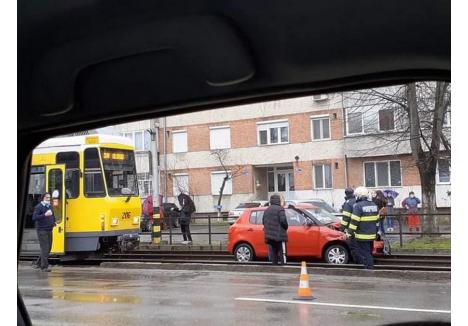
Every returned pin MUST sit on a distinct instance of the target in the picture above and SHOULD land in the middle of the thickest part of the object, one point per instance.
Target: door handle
(249, 229)
(60, 229)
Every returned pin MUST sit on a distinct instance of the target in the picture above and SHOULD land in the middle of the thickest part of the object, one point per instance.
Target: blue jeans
(389, 219)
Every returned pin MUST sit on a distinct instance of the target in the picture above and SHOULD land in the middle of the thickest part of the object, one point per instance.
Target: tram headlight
(136, 220)
(115, 221)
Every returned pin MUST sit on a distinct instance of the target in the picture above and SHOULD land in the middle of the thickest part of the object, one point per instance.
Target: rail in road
(396, 262)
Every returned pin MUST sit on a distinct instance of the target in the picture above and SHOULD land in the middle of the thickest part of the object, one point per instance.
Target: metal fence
(441, 225)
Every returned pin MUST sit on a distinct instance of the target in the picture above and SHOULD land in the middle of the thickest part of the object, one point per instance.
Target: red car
(312, 233)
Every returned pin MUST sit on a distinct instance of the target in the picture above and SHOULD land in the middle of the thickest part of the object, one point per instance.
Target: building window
(354, 122)
(179, 141)
(443, 171)
(145, 184)
(323, 176)
(386, 120)
(216, 182)
(273, 133)
(180, 183)
(220, 137)
(321, 128)
(382, 174)
(141, 139)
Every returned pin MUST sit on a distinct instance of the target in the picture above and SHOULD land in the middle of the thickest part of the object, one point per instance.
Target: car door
(255, 233)
(302, 238)
(55, 185)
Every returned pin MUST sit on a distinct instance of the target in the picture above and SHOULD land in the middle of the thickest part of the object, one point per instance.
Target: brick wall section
(303, 179)
(244, 183)
(299, 128)
(243, 133)
(200, 181)
(409, 171)
(198, 138)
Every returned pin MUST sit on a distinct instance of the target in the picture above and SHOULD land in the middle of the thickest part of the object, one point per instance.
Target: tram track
(397, 262)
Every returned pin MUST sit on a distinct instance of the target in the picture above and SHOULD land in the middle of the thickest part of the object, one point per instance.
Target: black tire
(336, 254)
(244, 252)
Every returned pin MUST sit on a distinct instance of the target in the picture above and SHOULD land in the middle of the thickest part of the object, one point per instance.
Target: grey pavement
(98, 296)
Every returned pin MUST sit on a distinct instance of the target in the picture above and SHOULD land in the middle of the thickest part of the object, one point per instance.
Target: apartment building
(309, 147)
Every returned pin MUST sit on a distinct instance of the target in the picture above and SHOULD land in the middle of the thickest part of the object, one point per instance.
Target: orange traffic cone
(304, 292)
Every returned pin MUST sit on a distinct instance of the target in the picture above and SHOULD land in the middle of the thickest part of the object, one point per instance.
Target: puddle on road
(94, 297)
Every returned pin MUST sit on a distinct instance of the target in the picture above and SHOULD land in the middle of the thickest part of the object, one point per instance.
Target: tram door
(55, 185)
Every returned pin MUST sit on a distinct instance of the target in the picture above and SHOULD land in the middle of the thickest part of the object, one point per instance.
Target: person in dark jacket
(44, 220)
(275, 226)
(187, 208)
(363, 226)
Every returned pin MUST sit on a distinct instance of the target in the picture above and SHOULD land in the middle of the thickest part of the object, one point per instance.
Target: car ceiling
(89, 63)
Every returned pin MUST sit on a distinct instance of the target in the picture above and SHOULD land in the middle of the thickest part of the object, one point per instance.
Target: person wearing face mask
(44, 220)
(411, 205)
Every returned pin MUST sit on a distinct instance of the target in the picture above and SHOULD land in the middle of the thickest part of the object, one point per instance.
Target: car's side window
(256, 217)
(294, 218)
(253, 218)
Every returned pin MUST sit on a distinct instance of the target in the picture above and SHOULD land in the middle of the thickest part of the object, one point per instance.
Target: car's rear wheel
(244, 253)
(336, 254)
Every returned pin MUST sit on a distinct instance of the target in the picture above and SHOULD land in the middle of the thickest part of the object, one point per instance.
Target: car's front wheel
(336, 254)
(244, 253)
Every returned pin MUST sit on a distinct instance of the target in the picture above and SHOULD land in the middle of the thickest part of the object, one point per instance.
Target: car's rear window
(247, 205)
(256, 217)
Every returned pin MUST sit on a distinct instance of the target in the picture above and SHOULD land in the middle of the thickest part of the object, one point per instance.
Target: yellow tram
(94, 188)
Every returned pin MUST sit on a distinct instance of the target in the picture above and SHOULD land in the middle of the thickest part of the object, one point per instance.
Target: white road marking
(344, 305)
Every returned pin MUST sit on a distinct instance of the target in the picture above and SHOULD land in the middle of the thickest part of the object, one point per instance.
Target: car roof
(300, 206)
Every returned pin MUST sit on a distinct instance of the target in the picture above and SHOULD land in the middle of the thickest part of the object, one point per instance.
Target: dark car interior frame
(84, 64)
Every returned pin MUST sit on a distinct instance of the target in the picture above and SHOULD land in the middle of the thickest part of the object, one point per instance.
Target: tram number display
(126, 215)
(114, 156)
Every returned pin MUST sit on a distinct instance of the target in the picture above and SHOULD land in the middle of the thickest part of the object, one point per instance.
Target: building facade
(309, 147)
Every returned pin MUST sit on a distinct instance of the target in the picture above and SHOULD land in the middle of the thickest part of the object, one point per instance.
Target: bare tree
(230, 172)
(419, 111)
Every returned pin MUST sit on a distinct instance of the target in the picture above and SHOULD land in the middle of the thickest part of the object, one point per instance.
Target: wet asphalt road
(104, 296)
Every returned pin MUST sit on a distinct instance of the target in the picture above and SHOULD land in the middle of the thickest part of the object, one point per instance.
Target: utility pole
(155, 157)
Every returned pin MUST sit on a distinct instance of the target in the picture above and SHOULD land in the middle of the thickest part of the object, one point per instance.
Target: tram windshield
(119, 171)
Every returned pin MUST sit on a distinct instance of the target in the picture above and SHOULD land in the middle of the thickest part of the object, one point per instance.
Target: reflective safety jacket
(364, 220)
(347, 210)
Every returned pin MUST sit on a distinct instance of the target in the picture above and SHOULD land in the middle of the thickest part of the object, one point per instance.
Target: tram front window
(119, 171)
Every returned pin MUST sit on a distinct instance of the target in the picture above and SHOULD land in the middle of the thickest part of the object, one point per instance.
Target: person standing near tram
(44, 220)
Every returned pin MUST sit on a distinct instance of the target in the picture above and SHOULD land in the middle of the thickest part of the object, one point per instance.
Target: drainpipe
(165, 161)
(344, 140)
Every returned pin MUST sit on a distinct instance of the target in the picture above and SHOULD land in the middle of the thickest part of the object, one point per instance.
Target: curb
(407, 275)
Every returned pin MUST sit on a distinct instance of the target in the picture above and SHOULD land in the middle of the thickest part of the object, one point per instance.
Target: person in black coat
(187, 208)
(275, 226)
(44, 220)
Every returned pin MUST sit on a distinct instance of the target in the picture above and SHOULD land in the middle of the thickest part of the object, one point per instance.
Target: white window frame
(226, 191)
(143, 132)
(394, 120)
(266, 125)
(217, 128)
(323, 176)
(347, 124)
(375, 174)
(175, 175)
(437, 175)
(186, 140)
(320, 117)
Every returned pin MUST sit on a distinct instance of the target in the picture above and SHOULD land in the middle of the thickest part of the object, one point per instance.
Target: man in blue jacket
(44, 221)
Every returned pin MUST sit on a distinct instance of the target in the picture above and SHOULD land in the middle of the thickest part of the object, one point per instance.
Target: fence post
(156, 230)
(400, 230)
(209, 229)
(170, 229)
